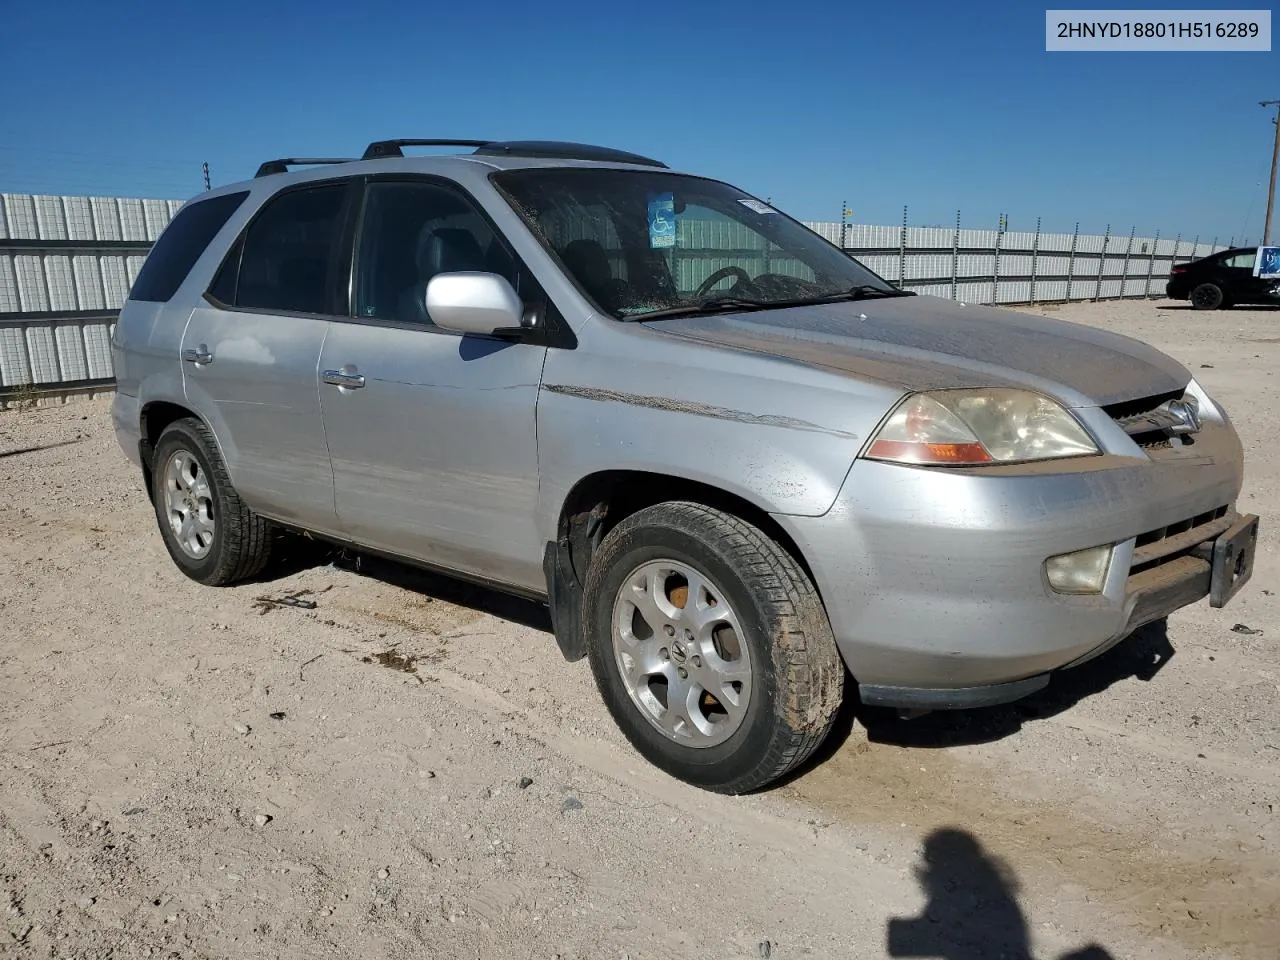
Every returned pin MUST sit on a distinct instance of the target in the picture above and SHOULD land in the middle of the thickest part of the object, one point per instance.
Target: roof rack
(558, 149)
(565, 150)
(282, 166)
(391, 148)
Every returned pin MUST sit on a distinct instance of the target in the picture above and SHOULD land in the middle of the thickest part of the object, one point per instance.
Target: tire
(1207, 296)
(774, 626)
(228, 542)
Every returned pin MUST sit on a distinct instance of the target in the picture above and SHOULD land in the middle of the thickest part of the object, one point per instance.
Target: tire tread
(806, 661)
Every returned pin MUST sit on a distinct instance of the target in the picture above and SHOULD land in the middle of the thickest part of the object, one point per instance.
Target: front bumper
(933, 579)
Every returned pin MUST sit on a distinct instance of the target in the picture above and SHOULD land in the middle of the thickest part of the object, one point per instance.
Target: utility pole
(1271, 182)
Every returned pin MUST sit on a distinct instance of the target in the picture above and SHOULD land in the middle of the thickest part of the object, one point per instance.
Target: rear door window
(1242, 261)
(291, 255)
(180, 246)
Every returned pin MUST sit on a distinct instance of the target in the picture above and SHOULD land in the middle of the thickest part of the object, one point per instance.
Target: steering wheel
(705, 287)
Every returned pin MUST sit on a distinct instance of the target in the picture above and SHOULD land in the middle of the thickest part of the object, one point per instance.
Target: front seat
(439, 250)
(588, 262)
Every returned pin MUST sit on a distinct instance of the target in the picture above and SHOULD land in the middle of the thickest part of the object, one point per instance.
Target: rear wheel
(1207, 296)
(710, 647)
(209, 532)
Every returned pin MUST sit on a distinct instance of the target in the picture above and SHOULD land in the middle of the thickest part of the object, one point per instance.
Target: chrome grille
(1150, 422)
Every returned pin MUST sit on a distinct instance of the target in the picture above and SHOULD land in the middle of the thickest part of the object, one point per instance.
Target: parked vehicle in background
(1221, 280)
(731, 478)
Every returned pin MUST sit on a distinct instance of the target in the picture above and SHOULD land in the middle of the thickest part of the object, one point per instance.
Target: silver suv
(746, 474)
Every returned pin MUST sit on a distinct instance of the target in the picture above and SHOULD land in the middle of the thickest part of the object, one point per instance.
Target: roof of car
(277, 172)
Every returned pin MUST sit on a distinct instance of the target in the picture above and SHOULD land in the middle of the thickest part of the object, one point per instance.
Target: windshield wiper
(866, 290)
(714, 305)
(730, 304)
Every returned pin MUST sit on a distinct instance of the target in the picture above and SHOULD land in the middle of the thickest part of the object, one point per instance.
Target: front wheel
(710, 647)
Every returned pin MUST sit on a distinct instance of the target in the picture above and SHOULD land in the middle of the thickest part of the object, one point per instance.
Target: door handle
(199, 355)
(339, 379)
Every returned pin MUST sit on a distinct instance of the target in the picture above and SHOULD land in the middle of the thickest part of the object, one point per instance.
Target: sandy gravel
(184, 776)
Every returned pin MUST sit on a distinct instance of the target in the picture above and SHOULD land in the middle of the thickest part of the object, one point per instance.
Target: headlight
(967, 427)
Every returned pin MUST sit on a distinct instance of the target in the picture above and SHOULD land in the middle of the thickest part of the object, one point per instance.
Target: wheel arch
(158, 414)
(601, 500)
(154, 417)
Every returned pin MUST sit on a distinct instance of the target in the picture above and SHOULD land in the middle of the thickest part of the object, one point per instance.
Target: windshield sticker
(662, 220)
(756, 205)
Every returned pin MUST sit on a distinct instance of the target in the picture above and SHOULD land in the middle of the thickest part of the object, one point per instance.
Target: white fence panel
(58, 301)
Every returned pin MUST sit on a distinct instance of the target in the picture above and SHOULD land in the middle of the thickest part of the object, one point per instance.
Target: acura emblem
(1186, 418)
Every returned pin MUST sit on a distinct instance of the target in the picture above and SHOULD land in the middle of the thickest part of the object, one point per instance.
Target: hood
(926, 343)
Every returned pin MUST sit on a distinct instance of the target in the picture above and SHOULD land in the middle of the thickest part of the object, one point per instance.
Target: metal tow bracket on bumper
(1231, 559)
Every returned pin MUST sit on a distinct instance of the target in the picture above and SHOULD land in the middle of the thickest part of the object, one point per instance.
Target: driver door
(431, 433)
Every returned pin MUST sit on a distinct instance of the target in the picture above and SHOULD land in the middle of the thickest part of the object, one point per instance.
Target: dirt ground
(412, 770)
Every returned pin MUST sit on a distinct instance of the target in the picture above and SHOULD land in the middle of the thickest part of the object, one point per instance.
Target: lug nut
(684, 674)
(670, 630)
(664, 653)
(697, 661)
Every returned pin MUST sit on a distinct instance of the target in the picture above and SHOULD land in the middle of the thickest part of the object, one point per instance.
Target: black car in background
(1221, 280)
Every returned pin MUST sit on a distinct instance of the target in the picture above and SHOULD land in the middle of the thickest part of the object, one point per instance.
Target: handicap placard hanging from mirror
(662, 220)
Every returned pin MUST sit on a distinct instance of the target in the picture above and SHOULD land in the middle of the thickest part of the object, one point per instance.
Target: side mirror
(472, 302)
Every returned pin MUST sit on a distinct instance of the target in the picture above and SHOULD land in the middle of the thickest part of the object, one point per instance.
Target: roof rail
(558, 149)
(391, 148)
(282, 166)
(564, 150)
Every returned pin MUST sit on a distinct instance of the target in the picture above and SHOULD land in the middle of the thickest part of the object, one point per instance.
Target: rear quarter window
(181, 244)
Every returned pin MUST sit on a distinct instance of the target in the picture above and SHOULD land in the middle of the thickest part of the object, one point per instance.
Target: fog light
(1084, 571)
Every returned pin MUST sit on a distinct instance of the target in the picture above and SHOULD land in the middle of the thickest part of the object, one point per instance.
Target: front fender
(778, 434)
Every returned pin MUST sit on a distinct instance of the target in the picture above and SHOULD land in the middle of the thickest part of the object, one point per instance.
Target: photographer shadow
(972, 912)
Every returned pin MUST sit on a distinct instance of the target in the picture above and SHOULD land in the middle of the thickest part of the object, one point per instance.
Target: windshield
(643, 244)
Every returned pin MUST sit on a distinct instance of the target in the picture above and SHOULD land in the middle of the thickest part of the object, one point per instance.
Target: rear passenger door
(432, 434)
(250, 351)
(1242, 286)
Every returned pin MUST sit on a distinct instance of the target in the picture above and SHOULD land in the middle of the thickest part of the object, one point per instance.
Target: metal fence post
(1124, 270)
(1071, 259)
(1151, 264)
(955, 257)
(1102, 264)
(1035, 256)
(995, 286)
(844, 223)
(902, 251)
(1213, 244)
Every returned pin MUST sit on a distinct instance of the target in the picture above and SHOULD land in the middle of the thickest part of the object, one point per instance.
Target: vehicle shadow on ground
(1141, 655)
(298, 554)
(972, 911)
(1259, 307)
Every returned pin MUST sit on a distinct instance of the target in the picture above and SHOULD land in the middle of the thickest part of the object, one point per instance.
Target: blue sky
(936, 105)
